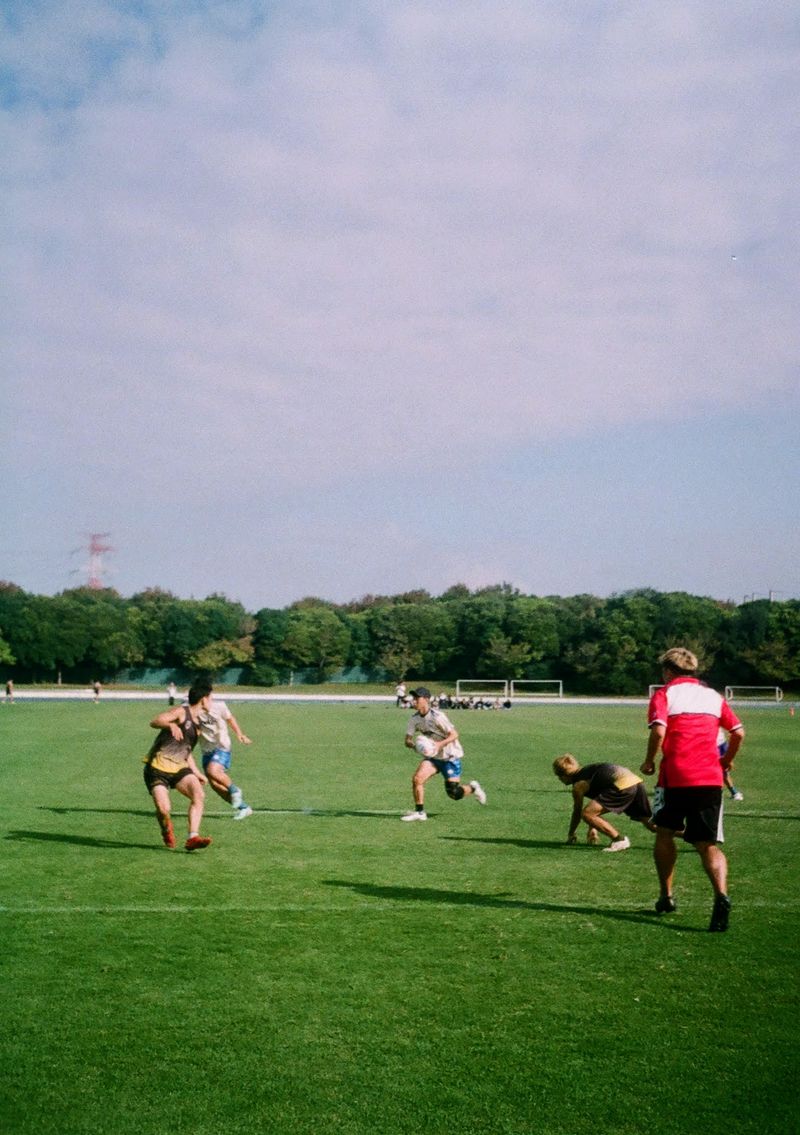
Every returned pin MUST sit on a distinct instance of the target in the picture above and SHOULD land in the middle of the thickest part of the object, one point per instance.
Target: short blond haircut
(679, 659)
(565, 765)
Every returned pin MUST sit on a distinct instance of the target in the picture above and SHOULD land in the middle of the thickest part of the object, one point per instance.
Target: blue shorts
(219, 757)
(450, 770)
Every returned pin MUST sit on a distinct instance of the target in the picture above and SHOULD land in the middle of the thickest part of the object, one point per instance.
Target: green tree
(316, 638)
(504, 657)
(218, 655)
(6, 653)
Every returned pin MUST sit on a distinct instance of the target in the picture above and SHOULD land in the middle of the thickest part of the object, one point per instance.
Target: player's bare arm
(169, 720)
(234, 724)
(735, 738)
(190, 761)
(578, 793)
(648, 766)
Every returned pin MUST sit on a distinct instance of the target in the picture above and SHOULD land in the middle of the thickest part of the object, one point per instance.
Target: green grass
(325, 968)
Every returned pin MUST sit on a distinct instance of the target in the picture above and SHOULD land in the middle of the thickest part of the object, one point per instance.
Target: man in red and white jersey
(684, 717)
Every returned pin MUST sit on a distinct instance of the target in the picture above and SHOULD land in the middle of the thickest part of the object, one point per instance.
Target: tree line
(594, 645)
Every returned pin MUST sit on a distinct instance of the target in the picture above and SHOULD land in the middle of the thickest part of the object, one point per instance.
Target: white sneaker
(243, 813)
(619, 844)
(415, 816)
(478, 792)
(738, 796)
(236, 798)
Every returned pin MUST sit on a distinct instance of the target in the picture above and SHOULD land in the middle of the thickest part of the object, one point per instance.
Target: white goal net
(753, 693)
(537, 688)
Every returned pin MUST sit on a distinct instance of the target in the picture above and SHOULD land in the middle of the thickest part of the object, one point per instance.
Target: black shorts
(696, 811)
(154, 776)
(632, 801)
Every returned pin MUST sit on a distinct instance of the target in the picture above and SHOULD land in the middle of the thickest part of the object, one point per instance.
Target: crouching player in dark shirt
(601, 788)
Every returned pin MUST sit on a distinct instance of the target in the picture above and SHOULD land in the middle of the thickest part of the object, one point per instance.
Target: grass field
(325, 968)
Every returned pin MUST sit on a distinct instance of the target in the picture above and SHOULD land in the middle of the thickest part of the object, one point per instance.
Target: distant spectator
(400, 694)
(10, 691)
(96, 688)
(172, 693)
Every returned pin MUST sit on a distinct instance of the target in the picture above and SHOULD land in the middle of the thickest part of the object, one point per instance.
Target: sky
(322, 298)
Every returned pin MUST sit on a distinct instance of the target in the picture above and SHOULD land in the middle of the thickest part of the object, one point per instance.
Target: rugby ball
(424, 745)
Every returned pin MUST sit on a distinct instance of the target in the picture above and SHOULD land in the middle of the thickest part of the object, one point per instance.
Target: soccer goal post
(753, 693)
(537, 688)
(482, 687)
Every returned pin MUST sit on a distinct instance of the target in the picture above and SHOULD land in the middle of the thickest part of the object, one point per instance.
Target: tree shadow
(80, 841)
(500, 901)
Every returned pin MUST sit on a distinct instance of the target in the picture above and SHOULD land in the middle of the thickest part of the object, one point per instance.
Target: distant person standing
(400, 694)
(172, 693)
(170, 764)
(215, 725)
(10, 691)
(684, 716)
(445, 758)
(96, 688)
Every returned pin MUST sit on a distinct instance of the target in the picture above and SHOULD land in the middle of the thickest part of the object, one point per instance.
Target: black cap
(421, 692)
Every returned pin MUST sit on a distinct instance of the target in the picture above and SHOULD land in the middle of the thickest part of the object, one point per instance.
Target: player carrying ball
(445, 755)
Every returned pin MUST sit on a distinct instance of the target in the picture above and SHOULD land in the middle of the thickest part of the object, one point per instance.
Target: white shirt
(213, 728)
(437, 725)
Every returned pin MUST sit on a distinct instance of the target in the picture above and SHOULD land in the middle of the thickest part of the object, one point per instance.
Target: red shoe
(167, 834)
(196, 842)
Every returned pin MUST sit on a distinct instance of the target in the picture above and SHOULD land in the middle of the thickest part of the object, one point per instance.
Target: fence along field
(321, 968)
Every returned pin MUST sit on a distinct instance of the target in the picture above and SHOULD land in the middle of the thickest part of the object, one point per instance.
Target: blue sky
(323, 298)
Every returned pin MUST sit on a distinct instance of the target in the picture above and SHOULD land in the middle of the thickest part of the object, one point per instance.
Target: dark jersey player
(170, 764)
(598, 789)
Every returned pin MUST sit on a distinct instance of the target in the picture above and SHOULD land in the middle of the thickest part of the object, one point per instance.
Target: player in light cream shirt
(214, 728)
(446, 759)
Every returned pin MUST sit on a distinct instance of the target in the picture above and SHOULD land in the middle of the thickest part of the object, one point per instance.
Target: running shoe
(621, 844)
(415, 816)
(478, 792)
(720, 914)
(243, 812)
(197, 842)
(666, 905)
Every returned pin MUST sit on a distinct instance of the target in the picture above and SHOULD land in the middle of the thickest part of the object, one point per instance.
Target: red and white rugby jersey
(692, 714)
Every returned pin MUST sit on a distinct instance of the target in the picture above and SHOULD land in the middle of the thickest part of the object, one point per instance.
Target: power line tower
(97, 549)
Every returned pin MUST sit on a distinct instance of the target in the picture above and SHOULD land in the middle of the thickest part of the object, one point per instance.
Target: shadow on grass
(502, 902)
(210, 814)
(548, 843)
(81, 841)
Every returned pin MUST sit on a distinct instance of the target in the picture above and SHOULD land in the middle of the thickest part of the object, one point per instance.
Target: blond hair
(680, 660)
(565, 765)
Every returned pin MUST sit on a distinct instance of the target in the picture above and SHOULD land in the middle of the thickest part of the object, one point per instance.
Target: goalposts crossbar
(753, 693)
(506, 688)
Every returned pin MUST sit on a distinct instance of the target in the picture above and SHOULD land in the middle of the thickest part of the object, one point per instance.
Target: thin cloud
(303, 228)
